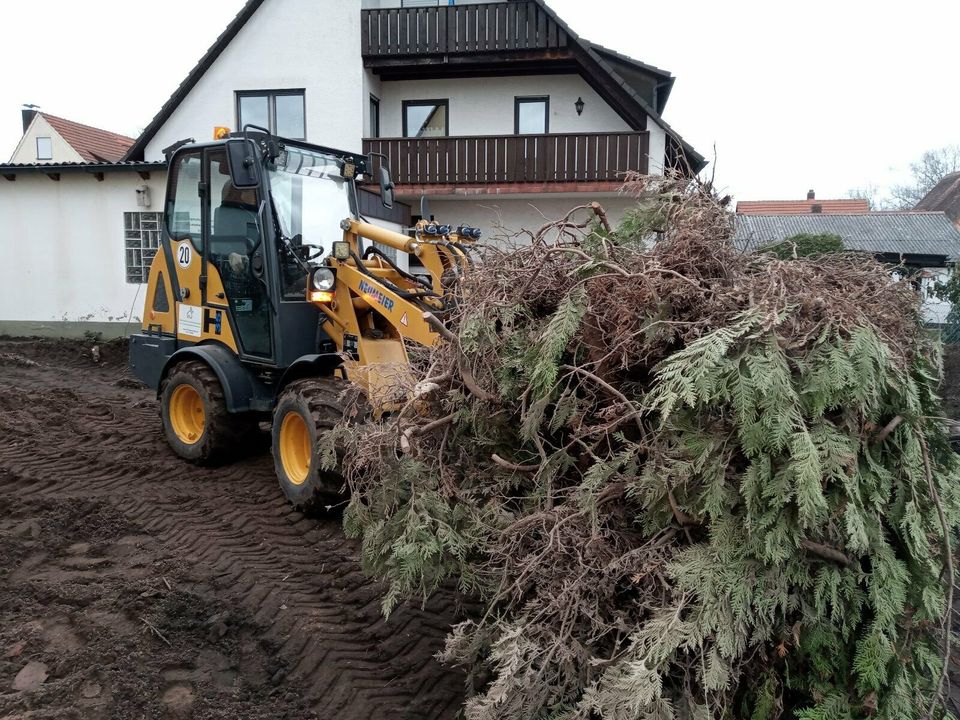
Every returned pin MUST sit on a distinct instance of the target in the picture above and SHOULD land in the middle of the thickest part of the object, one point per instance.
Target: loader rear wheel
(195, 418)
(306, 409)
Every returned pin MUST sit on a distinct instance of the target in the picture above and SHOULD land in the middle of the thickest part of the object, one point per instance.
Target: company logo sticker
(368, 289)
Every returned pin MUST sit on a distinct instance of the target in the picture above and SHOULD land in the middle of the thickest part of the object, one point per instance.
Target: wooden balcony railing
(506, 159)
(485, 27)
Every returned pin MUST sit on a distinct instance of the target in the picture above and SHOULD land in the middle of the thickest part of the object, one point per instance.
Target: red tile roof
(800, 207)
(93, 144)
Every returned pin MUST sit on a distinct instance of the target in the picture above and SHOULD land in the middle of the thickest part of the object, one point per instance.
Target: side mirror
(425, 208)
(244, 163)
(386, 187)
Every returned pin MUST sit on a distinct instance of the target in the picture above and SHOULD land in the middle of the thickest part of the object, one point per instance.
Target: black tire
(317, 404)
(220, 435)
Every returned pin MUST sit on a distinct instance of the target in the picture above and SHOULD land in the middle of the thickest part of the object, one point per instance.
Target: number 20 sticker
(184, 254)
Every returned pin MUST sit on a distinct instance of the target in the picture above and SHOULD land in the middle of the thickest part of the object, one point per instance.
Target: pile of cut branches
(685, 482)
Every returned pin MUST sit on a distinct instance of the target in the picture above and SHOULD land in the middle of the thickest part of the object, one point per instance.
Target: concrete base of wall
(71, 330)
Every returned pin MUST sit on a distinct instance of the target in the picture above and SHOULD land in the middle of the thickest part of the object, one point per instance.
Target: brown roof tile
(945, 196)
(93, 144)
(799, 207)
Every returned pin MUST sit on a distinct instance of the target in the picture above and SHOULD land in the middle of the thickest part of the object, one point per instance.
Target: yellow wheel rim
(186, 414)
(295, 448)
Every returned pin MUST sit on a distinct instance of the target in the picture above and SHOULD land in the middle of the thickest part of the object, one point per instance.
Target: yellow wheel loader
(270, 290)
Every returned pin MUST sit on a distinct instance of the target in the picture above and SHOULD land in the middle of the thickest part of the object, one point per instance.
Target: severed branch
(415, 430)
(601, 215)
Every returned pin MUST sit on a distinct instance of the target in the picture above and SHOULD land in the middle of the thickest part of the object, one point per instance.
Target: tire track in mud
(71, 436)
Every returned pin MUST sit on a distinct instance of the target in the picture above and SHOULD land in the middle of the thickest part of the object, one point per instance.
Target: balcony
(408, 40)
(521, 163)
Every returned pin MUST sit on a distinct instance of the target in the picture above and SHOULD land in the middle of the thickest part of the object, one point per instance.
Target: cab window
(183, 216)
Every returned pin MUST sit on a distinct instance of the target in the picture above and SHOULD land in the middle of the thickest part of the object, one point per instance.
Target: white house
(498, 111)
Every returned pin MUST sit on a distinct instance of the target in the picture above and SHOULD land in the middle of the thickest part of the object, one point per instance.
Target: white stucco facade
(63, 247)
(485, 106)
(26, 151)
(313, 45)
(502, 218)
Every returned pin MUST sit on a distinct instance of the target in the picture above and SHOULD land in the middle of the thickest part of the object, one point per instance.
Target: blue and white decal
(368, 289)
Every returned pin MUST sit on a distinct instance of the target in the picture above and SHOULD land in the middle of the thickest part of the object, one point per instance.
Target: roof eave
(87, 167)
(136, 151)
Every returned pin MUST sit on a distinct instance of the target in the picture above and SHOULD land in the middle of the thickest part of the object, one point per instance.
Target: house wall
(658, 147)
(935, 310)
(26, 151)
(502, 218)
(64, 253)
(287, 44)
(485, 106)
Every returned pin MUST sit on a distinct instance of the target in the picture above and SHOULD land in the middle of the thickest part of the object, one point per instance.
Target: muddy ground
(133, 585)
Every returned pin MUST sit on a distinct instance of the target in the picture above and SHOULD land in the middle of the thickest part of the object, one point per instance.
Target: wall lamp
(579, 105)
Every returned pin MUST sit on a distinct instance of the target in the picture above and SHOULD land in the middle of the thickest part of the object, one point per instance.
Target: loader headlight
(323, 279)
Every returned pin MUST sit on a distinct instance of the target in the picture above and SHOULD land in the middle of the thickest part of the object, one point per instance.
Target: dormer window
(44, 148)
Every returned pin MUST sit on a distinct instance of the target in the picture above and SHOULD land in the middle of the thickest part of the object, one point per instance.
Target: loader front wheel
(306, 409)
(195, 418)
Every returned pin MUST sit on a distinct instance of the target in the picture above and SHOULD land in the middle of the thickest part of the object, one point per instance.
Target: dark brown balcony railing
(485, 27)
(504, 159)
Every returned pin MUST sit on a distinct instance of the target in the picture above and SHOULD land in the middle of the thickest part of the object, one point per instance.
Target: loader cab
(245, 219)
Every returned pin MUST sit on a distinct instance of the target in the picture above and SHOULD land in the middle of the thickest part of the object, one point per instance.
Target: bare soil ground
(133, 585)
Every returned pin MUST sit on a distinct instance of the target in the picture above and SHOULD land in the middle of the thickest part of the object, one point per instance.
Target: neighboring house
(944, 197)
(497, 111)
(51, 139)
(799, 207)
(926, 244)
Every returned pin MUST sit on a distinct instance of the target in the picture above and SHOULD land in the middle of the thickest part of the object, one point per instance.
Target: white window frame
(50, 141)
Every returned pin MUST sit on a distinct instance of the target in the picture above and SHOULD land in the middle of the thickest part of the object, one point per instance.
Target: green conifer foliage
(707, 485)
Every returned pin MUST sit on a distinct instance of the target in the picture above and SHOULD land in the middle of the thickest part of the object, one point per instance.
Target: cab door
(216, 253)
(235, 257)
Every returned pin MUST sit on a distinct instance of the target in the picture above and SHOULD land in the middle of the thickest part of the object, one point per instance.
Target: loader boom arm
(377, 307)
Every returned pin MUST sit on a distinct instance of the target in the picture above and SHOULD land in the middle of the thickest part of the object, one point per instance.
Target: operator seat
(236, 217)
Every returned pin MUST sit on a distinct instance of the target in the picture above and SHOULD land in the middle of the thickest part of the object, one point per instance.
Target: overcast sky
(793, 95)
